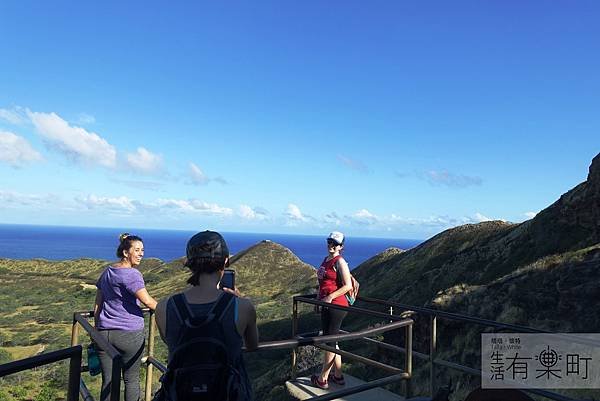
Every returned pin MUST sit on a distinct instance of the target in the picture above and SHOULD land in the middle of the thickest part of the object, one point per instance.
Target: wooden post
(149, 366)
(432, 352)
(408, 364)
(294, 332)
(74, 332)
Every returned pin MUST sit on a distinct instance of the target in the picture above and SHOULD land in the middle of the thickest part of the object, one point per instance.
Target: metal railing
(80, 319)
(318, 341)
(71, 353)
(434, 335)
(397, 320)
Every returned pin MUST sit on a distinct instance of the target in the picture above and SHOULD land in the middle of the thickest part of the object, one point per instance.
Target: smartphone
(228, 279)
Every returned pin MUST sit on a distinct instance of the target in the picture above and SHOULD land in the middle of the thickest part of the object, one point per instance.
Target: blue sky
(386, 118)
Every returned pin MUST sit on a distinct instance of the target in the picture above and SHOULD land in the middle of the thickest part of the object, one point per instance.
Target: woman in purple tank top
(118, 316)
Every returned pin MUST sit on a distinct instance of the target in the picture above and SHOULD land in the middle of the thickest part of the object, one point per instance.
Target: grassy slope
(542, 273)
(38, 298)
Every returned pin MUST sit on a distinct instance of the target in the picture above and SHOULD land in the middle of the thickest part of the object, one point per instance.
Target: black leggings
(331, 321)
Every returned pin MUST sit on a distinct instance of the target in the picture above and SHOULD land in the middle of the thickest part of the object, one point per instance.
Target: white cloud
(115, 204)
(16, 150)
(211, 208)
(354, 164)
(480, 218)
(74, 142)
(294, 215)
(248, 213)
(16, 116)
(434, 221)
(194, 206)
(29, 200)
(175, 204)
(443, 177)
(162, 206)
(198, 177)
(364, 217)
(145, 162)
(332, 219)
(530, 215)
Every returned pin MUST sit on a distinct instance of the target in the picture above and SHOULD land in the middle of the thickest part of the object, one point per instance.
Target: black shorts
(331, 321)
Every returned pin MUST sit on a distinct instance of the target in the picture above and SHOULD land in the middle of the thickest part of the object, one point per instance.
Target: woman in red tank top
(332, 290)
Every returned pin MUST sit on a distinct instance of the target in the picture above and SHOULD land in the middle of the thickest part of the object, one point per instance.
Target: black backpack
(202, 367)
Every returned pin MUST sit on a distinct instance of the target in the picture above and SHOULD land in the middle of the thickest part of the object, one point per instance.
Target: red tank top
(328, 281)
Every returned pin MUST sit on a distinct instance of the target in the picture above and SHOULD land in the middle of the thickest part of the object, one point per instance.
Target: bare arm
(250, 331)
(344, 270)
(97, 305)
(161, 319)
(145, 298)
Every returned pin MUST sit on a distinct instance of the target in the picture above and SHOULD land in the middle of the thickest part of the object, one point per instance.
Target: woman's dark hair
(206, 253)
(125, 241)
(200, 266)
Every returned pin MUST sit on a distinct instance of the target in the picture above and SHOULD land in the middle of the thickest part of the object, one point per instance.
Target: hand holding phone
(228, 279)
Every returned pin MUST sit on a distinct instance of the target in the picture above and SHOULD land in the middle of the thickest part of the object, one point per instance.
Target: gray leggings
(131, 346)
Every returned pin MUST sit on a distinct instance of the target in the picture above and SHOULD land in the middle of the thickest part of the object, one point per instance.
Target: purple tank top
(120, 308)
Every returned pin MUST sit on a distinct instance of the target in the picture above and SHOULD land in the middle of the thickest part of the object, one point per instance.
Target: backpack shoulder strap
(181, 307)
(221, 305)
(338, 276)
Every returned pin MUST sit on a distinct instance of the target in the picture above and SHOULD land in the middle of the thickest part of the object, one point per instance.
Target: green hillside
(542, 273)
(38, 298)
(476, 254)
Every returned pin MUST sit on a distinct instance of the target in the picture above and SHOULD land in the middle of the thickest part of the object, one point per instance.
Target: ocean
(63, 243)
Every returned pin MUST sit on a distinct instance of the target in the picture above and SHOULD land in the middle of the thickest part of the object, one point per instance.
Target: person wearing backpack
(334, 283)
(205, 328)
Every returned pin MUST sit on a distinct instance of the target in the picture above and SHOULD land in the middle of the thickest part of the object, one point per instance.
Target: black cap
(207, 244)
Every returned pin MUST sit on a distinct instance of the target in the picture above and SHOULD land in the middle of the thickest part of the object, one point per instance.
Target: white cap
(337, 237)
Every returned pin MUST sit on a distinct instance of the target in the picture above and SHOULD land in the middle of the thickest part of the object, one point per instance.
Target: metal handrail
(302, 340)
(395, 322)
(71, 353)
(434, 314)
(453, 316)
(80, 319)
(318, 341)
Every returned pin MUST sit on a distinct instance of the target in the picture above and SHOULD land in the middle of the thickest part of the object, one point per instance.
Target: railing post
(74, 375)
(408, 362)
(432, 354)
(294, 332)
(74, 332)
(149, 366)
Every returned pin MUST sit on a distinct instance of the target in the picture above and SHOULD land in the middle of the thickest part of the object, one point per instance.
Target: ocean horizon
(20, 241)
